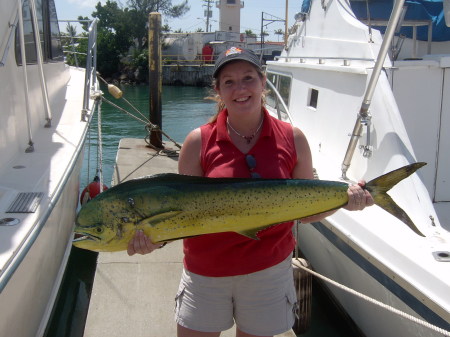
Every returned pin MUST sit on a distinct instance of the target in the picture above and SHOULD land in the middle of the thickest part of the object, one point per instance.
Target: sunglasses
(251, 163)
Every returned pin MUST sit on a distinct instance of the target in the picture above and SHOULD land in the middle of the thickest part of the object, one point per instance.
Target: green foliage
(279, 32)
(75, 46)
(250, 33)
(122, 32)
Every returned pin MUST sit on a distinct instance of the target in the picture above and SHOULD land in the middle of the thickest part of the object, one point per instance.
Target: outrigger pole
(363, 114)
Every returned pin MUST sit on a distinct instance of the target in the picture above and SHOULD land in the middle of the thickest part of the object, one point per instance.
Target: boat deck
(134, 296)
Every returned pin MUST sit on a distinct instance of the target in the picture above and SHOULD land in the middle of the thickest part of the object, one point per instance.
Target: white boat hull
(323, 76)
(44, 120)
(26, 302)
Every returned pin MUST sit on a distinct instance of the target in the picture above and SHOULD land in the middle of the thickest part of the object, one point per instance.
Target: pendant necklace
(247, 138)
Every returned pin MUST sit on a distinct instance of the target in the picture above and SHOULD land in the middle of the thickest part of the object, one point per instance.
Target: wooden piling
(155, 77)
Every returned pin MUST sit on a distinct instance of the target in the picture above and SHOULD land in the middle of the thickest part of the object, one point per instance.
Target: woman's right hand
(141, 244)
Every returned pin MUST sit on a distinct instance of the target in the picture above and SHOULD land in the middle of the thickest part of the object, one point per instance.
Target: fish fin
(159, 217)
(378, 187)
(253, 233)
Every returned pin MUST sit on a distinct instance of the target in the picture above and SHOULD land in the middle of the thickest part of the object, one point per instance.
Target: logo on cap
(233, 50)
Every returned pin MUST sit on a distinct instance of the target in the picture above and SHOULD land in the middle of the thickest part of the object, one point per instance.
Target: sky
(194, 19)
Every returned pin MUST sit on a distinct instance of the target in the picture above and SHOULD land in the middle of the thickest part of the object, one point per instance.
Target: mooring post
(155, 81)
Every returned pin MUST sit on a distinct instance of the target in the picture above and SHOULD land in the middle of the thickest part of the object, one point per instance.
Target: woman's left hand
(358, 197)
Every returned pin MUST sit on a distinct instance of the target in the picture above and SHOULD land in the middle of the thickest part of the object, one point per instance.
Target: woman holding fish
(230, 278)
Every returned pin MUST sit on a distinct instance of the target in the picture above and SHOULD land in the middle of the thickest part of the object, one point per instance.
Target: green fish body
(171, 206)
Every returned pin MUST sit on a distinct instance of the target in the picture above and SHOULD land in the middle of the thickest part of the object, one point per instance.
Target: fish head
(105, 224)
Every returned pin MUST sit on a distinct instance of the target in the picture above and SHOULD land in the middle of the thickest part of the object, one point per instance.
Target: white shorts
(260, 303)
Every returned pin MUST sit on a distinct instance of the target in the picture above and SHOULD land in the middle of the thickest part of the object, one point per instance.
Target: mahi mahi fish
(172, 206)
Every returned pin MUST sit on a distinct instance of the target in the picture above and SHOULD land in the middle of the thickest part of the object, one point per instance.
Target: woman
(229, 278)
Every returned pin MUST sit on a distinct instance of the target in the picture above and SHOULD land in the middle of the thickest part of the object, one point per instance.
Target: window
(48, 31)
(30, 43)
(313, 98)
(283, 85)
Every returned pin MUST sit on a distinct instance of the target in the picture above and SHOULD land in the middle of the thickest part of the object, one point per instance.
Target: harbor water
(184, 108)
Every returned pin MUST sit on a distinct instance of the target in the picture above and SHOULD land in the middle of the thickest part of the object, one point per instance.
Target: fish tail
(378, 187)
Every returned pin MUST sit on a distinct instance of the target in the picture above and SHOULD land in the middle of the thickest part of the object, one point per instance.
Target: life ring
(91, 191)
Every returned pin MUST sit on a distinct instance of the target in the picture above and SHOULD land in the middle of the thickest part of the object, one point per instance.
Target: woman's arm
(189, 159)
(358, 197)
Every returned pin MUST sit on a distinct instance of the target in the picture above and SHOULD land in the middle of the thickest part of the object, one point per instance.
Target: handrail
(280, 99)
(302, 58)
(40, 62)
(72, 43)
(8, 43)
(91, 68)
(30, 147)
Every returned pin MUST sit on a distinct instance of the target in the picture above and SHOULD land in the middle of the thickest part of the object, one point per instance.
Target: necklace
(247, 138)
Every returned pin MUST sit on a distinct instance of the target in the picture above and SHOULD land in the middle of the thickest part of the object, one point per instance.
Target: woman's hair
(220, 105)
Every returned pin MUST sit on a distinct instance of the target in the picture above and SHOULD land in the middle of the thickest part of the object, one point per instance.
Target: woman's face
(240, 86)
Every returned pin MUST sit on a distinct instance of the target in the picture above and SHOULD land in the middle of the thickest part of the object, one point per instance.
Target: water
(184, 109)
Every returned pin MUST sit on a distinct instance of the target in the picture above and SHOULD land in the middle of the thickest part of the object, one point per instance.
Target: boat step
(25, 202)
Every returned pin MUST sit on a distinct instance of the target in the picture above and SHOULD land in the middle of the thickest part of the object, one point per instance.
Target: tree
(279, 32)
(74, 45)
(139, 10)
(250, 33)
(166, 28)
(121, 28)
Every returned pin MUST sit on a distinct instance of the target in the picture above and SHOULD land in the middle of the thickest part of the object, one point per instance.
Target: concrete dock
(134, 296)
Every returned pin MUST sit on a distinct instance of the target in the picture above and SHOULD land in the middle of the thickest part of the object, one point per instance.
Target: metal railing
(12, 28)
(279, 100)
(90, 82)
(200, 59)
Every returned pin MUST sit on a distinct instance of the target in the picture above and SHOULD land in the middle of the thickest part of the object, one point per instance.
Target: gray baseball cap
(236, 54)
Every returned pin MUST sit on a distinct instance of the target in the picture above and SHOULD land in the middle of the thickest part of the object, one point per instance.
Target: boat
(46, 109)
(368, 83)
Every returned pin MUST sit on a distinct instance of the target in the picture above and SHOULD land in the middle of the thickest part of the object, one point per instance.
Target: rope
(100, 143)
(378, 303)
(148, 125)
(89, 155)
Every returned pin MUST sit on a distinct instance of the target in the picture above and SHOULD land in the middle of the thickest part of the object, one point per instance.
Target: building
(230, 15)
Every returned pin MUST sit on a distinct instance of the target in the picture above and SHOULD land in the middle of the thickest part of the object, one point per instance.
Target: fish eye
(99, 230)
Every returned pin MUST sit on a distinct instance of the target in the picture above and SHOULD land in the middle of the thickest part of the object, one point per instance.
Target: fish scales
(231, 208)
(170, 206)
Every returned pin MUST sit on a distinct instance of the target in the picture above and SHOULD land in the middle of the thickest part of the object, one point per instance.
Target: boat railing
(90, 82)
(407, 23)
(12, 24)
(279, 99)
(322, 59)
(71, 47)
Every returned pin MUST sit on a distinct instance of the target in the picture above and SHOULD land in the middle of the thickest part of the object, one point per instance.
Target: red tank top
(229, 254)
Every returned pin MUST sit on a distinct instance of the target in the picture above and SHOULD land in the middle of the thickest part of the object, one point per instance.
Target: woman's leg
(240, 333)
(185, 332)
